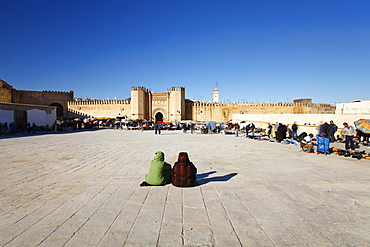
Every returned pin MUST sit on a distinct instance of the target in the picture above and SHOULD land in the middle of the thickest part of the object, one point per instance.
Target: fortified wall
(175, 107)
(100, 108)
(222, 112)
(59, 99)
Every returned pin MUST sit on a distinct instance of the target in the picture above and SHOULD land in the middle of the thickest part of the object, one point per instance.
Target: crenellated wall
(222, 112)
(173, 108)
(8, 94)
(101, 108)
(172, 105)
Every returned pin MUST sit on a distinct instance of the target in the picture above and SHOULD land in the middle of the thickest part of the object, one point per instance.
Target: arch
(158, 117)
(60, 110)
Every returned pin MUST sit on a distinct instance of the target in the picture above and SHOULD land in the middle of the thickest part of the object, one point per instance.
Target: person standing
(191, 128)
(281, 132)
(247, 130)
(324, 129)
(294, 131)
(276, 126)
(253, 127)
(236, 128)
(332, 128)
(349, 132)
(13, 128)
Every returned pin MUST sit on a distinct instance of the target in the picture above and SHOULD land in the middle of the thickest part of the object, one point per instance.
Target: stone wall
(8, 94)
(222, 112)
(101, 108)
(5, 92)
(45, 97)
(197, 111)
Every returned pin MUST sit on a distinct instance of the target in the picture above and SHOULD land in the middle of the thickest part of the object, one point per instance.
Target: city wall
(198, 111)
(101, 108)
(222, 112)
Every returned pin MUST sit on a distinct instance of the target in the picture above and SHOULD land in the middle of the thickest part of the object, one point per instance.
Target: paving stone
(255, 236)
(82, 189)
(310, 236)
(227, 240)
(87, 236)
(144, 232)
(170, 242)
(198, 235)
(221, 224)
(55, 242)
(110, 240)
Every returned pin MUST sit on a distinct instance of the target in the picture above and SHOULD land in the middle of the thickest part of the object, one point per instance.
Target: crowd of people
(277, 132)
(326, 132)
(13, 128)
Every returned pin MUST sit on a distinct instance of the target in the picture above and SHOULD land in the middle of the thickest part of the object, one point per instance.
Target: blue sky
(265, 50)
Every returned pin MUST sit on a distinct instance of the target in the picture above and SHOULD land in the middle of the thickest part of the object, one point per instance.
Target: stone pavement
(82, 189)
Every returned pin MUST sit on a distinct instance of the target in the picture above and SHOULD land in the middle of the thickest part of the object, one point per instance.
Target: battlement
(83, 101)
(52, 91)
(178, 89)
(138, 89)
(277, 104)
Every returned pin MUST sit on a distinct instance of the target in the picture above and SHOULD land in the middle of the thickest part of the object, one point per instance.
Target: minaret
(216, 94)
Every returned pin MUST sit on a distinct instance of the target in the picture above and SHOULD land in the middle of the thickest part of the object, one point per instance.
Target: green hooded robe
(159, 171)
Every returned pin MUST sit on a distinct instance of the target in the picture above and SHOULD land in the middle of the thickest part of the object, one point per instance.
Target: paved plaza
(82, 189)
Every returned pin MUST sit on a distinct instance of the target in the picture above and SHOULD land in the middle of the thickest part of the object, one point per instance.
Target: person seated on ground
(306, 143)
(184, 172)
(159, 171)
(339, 139)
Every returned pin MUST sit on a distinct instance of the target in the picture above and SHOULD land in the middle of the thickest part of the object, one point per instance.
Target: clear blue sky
(257, 50)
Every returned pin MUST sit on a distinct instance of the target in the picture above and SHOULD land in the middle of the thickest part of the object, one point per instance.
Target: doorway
(60, 110)
(158, 117)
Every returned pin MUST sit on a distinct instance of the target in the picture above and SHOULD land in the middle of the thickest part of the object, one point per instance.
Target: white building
(353, 108)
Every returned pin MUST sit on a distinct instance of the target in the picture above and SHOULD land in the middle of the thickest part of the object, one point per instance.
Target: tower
(139, 103)
(177, 103)
(216, 94)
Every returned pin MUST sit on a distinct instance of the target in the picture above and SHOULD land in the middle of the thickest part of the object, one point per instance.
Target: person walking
(269, 129)
(349, 132)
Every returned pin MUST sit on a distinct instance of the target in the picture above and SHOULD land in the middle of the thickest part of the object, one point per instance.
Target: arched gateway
(158, 117)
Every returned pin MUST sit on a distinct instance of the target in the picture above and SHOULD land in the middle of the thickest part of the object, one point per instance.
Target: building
(171, 105)
(216, 95)
(59, 99)
(41, 108)
(354, 107)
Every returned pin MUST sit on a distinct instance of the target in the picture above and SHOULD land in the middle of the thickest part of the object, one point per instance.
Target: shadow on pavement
(38, 133)
(204, 179)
